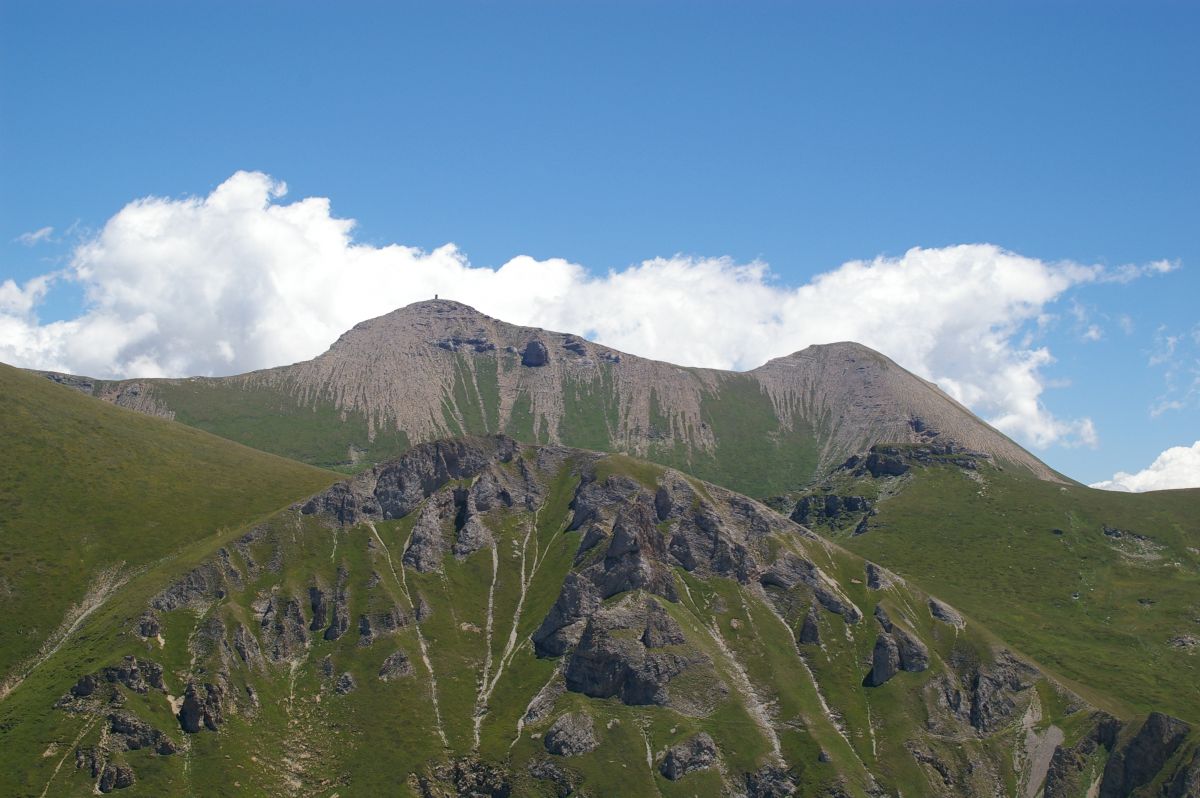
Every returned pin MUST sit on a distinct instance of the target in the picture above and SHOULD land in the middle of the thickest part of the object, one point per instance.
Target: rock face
(878, 578)
(284, 629)
(637, 668)
(134, 734)
(1186, 783)
(115, 777)
(810, 632)
(896, 649)
(137, 675)
(1139, 760)
(696, 753)
(384, 622)
(1070, 771)
(535, 355)
(201, 708)
(830, 510)
(427, 545)
(339, 612)
(945, 613)
(571, 735)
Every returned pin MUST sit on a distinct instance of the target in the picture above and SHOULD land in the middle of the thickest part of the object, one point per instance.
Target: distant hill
(439, 368)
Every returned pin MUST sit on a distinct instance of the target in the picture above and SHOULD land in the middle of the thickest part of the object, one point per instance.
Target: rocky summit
(545, 567)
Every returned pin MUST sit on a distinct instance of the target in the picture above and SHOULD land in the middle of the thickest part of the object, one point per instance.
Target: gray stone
(945, 613)
(535, 354)
(571, 735)
(696, 753)
(396, 666)
(345, 684)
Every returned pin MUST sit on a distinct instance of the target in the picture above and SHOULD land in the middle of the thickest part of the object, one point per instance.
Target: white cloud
(35, 237)
(1177, 467)
(239, 280)
(1129, 272)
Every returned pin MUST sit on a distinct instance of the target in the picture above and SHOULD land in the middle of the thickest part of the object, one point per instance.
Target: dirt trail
(107, 582)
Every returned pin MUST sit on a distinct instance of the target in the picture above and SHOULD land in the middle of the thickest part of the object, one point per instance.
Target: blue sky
(802, 136)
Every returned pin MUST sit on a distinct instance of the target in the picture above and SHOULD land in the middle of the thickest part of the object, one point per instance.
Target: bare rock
(339, 611)
(661, 629)
(571, 735)
(943, 612)
(396, 666)
(115, 776)
(1139, 760)
(148, 625)
(696, 753)
(201, 708)
(789, 570)
(565, 781)
(427, 545)
(133, 734)
(609, 661)
(345, 684)
(284, 629)
(879, 578)
(563, 625)
(885, 661)
(810, 630)
(770, 781)
(386, 622)
(470, 533)
(246, 646)
(1186, 783)
(535, 354)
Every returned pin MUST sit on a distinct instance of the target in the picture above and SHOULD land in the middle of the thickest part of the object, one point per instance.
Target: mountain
(524, 584)
(482, 617)
(439, 368)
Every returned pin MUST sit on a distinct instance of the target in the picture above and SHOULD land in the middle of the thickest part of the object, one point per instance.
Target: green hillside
(1103, 587)
(91, 495)
(449, 670)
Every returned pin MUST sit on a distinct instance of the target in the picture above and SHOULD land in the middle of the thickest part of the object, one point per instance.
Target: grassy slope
(87, 488)
(755, 453)
(992, 551)
(367, 742)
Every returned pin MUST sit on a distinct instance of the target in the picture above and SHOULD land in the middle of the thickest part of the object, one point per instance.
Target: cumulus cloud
(240, 280)
(35, 237)
(1177, 467)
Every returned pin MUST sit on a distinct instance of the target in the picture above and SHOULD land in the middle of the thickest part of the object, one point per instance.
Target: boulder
(396, 666)
(115, 777)
(943, 612)
(810, 630)
(885, 661)
(878, 578)
(535, 354)
(696, 753)
(201, 708)
(571, 735)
